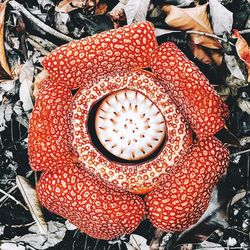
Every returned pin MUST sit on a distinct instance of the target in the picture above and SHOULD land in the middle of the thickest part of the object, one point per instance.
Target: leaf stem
(209, 35)
(241, 152)
(5, 197)
(14, 199)
(38, 22)
(246, 31)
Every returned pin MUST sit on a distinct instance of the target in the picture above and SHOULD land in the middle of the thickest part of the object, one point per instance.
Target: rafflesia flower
(126, 132)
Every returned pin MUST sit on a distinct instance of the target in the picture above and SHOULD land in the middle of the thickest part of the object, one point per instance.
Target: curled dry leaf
(61, 20)
(136, 10)
(36, 240)
(137, 242)
(244, 105)
(234, 67)
(245, 140)
(195, 19)
(46, 5)
(239, 195)
(222, 18)
(29, 195)
(38, 80)
(101, 9)
(26, 79)
(3, 60)
(117, 14)
(67, 6)
(154, 11)
(243, 50)
(192, 19)
(205, 56)
(70, 5)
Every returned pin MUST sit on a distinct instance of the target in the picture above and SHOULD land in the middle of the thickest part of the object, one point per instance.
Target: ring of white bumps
(129, 125)
(136, 178)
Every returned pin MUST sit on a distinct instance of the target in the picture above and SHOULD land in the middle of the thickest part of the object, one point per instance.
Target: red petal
(190, 90)
(80, 62)
(84, 200)
(48, 130)
(183, 195)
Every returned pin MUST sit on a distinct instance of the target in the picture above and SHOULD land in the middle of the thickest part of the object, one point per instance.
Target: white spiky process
(129, 125)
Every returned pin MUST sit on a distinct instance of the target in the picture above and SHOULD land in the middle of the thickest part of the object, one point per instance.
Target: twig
(37, 46)
(85, 242)
(9, 192)
(23, 120)
(13, 189)
(241, 152)
(38, 22)
(209, 35)
(47, 45)
(14, 199)
(21, 225)
(246, 31)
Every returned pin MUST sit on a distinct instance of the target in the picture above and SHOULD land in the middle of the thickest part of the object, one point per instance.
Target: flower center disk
(129, 125)
(126, 129)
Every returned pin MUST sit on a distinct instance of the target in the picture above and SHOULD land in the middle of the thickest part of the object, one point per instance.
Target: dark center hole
(96, 142)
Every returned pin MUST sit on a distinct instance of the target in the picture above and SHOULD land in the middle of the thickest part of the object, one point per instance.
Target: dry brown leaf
(200, 53)
(243, 50)
(118, 14)
(195, 19)
(192, 19)
(3, 60)
(70, 5)
(136, 10)
(217, 56)
(67, 6)
(101, 9)
(29, 195)
(38, 81)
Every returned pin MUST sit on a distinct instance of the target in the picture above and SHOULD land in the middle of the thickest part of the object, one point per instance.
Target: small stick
(14, 199)
(9, 192)
(37, 46)
(208, 35)
(47, 45)
(241, 152)
(13, 189)
(246, 31)
(38, 22)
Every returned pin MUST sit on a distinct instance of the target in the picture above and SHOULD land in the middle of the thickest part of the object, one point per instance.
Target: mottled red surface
(95, 205)
(190, 89)
(86, 201)
(79, 62)
(183, 195)
(48, 129)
